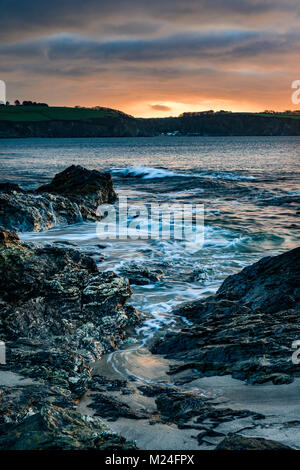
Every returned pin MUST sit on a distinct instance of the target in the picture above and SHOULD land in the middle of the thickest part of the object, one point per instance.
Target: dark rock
(72, 196)
(89, 188)
(113, 409)
(141, 275)
(101, 383)
(247, 328)
(58, 312)
(179, 407)
(26, 212)
(7, 187)
(238, 442)
(6, 238)
(55, 428)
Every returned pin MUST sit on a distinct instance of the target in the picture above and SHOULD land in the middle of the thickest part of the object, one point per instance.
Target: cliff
(72, 122)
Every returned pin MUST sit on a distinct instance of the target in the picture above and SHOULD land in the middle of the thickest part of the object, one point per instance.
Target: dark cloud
(160, 107)
(130, 51)
(29, 18)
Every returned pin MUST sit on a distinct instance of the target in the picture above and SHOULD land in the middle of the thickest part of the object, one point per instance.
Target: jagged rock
(238, 442)
(113, 409)
(89, 188)
(247, 328)
(56, 428)
(58, 312)
(180, 407)
(141, 275)
(72, 196)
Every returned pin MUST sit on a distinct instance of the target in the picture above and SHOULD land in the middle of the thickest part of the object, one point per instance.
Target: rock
(55, 428)
(238, 442)
(7, 187)
(181, 407)
(247, 328)
(112, 409)
(58, 312)
(27, 212)
(88, 188)
(72, 196)
(7, 238)
(141, 275)
(270, 285)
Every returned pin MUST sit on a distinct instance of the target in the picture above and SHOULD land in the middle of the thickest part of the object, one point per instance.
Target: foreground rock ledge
(247, 329)
(58, 314)
(72, 196)
(238, 442)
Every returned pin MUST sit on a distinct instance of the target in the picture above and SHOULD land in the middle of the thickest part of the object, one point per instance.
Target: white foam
(145, 172)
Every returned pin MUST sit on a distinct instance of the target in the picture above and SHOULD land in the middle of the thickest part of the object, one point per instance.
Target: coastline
(122, 125)
(179, 403)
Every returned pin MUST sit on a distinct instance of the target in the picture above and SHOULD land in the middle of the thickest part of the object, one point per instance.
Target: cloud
(32, 18)
(127, 52)
(197, 48)
(160, 107)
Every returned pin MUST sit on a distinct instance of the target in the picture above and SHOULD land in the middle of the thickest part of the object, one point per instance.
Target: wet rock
(72, 196)
(58, 312)
(246, 329)
(55, 428)
(89, 188)
(101, 383)
(180, 407)
(141, 275)
(113, 409)
(238, 442)
(26, 212)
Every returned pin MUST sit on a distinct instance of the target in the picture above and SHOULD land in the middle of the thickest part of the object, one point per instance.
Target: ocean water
(250, 188)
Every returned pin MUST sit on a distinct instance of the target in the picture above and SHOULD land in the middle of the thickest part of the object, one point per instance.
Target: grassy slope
(290, 116)
(55, 113)
(40, 113)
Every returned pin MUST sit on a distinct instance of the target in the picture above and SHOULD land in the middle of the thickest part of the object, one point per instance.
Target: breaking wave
(146, 172)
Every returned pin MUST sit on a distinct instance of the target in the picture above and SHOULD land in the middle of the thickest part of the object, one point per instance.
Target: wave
(146, 172)
(224, 175)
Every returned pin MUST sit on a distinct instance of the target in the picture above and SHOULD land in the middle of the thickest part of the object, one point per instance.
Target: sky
(152, 57)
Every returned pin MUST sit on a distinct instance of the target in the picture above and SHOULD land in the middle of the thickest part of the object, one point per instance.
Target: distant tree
(17, 103)
(34, 103)
(7, 103)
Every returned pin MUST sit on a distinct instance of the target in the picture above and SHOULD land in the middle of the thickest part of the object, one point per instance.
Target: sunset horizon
(149, 230)
(154, 61)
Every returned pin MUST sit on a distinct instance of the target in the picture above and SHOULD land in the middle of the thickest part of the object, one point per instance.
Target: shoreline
(183, 403)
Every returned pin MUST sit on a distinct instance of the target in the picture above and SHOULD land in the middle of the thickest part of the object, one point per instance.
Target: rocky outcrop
(55, 428)
(237, 442)
(141, 275)
(58, 314)
(73, 195)
(88, 188)
(247, 329)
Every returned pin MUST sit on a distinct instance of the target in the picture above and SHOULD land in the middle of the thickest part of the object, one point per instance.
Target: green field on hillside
(290, 116)
(53, 113)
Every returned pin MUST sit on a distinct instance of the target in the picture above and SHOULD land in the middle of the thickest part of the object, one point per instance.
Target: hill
(43, 121)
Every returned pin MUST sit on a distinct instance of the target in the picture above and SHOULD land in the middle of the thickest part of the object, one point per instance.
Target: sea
(249, 188)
